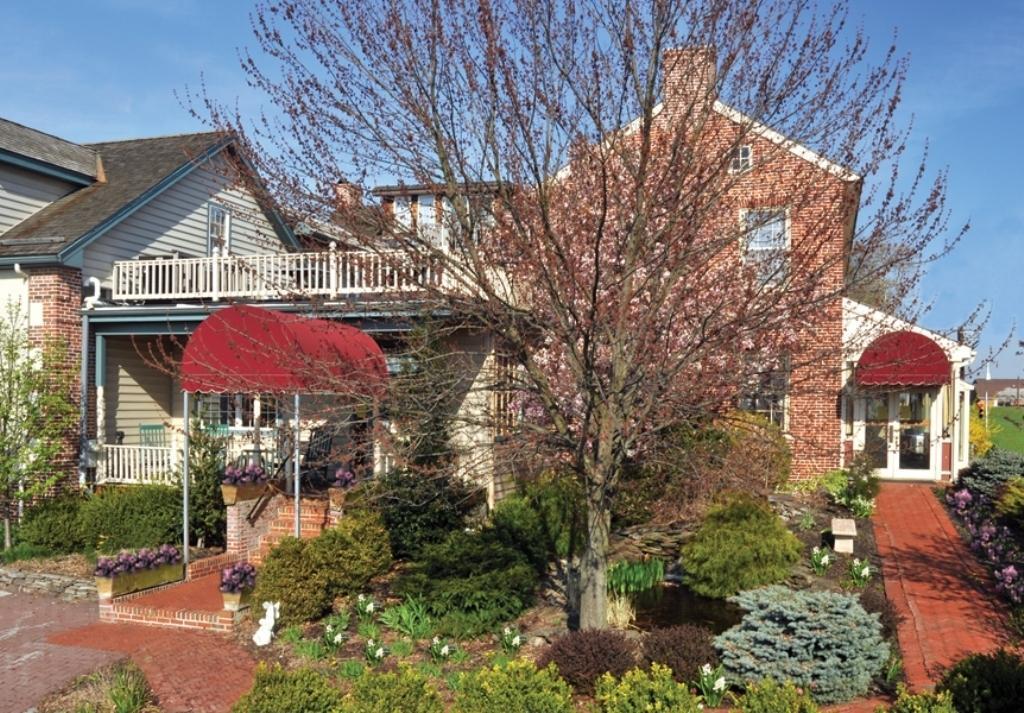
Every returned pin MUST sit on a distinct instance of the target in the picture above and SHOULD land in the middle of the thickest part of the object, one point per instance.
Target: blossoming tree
(602, 215)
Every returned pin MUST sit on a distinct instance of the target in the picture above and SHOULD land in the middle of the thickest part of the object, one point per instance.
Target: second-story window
(741, 159)
(766, 244)
(403, 211)
(218, 229)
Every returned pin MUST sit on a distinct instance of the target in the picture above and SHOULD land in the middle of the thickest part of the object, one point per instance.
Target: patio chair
(153, 435)
(313, 471)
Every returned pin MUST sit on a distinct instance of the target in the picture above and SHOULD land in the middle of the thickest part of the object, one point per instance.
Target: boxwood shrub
(54, 526)
(741, 544)
(278, 691)
(290, 576)
(639, 690)
(130, 517)
(519, 687)
(351, 553)
(772, 697)
(407, 691)
(471, 583)
(986, 683)
(822, 641)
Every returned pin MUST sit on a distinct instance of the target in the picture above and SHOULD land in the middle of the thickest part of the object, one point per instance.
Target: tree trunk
(593, 587)
(7, 531)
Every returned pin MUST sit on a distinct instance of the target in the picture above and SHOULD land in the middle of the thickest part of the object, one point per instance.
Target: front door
(899, 434)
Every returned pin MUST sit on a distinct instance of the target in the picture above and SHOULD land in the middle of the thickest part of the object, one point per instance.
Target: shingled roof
(45, 148)
(131, 169)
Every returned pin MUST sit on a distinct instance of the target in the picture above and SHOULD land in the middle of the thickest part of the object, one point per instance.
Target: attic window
(741, 159)
(218, 229)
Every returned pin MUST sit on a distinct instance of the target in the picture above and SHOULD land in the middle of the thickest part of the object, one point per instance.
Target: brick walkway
(189, 671)
(935, 582)
(32, 668)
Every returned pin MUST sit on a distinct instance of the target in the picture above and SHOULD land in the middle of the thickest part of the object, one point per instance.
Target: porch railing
(327, 273)
(136, 465)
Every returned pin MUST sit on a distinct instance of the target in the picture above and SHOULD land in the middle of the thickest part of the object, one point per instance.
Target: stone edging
(70, 589)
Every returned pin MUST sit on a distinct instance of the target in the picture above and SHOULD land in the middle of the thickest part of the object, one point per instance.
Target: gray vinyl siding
(136, 392)
(175, 222)
(23, 193)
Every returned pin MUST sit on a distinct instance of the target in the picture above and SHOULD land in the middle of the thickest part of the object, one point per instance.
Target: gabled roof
(135, 170)
(32, 148)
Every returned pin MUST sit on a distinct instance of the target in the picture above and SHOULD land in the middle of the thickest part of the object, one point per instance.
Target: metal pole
(295, 466)
(988, 382)
(184, 481)
(83, 414)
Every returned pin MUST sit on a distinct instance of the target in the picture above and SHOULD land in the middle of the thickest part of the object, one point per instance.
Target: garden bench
(844, 529)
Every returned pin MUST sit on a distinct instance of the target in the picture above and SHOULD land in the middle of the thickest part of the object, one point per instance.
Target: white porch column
(295, 467)
(185, 480)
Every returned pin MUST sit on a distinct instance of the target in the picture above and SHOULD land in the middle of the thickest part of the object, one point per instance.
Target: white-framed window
(766, 243)
(767, 395)
(741, 159)
(218, 229)
(403, 211)
(425, 209)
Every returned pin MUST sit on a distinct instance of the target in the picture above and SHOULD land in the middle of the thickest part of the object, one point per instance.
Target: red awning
(245, 349)
(903, 359)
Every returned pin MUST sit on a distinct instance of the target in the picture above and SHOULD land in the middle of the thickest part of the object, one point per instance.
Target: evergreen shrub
(769, 696)
(556, 497)
(471, 583)
(986, 683)
(54, 526)
(278, 691)
(822, 641)
(129, 517)
(407, 691)
(582, 657)
(639, 690)
(518, 687)
(874, 601)
(741, 544)
(518, 525)
(683, 648)
(1011, 501)
(349, 554)
(419, 509)
(907, 702)
(987, 476)
(290, 576)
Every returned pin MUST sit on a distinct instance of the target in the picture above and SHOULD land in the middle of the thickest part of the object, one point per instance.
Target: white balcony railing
(136, 465)
(327, 273)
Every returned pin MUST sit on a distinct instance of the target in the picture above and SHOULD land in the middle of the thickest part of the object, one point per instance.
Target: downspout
(21, 484)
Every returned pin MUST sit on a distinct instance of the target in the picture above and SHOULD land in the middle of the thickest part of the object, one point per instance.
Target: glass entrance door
(898, 433)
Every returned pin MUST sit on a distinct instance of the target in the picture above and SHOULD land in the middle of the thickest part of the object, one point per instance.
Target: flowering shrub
(250, 473)
(129, 562)
(712, 684)
(993, 542)
(821, 560)
(238, 577)
(860, 572)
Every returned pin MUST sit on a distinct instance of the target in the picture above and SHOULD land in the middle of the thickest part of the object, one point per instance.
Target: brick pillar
(55, 299)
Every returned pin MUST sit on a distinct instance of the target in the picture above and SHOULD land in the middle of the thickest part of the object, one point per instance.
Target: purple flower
(126, 562)
(343, 478)
(238, 577)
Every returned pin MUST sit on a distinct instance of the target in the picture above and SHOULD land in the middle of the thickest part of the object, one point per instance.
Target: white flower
(338, 638)
(816, 550)
(705, 670)
(824, 559)
(508, 631)
(436, 641)
(362, 597)
(700, 706)
(865, 572)
(719, 683)
(329, 628)
(369, 607)
(369, 643)
(856, 562)
(380, 652)
(444, 650)
(516, 640)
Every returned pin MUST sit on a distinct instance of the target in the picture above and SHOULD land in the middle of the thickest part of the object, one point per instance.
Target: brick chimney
(690, 76)
(347, 195)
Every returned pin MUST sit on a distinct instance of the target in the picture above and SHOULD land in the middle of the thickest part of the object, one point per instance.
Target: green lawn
(1009, 421)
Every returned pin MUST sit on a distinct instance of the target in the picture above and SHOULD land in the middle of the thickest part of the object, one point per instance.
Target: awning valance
(903, 358)
(245, 349)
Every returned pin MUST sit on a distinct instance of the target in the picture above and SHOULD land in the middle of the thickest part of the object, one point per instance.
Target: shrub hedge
(683, 649)
(54, 525)
(907, 702)
(129, 517)
(822, 641)
(407, 691)
(988, 475)
(986, 683)
(741, 544)
(519, 687)
(290, 576)
(638, 690)
(351, 553)
(470, 582)
(278, 691)
(582, 657)
(769, 696)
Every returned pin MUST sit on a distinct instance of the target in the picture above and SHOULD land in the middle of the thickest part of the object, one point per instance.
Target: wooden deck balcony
(328, 273)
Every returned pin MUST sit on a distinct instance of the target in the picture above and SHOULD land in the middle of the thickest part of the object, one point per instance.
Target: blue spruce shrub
(822, 641)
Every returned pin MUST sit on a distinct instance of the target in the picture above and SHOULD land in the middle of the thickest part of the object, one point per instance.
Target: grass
(23, 551)
(120, 688)
(1008, 427)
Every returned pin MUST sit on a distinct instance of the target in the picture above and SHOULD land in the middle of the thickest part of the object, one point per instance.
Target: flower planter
(109, 587)
(336, 497)
(236, 601)
(241, 492)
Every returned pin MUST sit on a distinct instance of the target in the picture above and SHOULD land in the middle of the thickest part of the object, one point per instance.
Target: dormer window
(218, 229)
(741, 159)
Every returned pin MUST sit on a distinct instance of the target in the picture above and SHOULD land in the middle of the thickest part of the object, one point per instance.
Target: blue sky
(108, 69)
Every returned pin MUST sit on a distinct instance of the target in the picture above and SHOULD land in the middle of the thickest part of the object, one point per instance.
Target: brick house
(121, 249)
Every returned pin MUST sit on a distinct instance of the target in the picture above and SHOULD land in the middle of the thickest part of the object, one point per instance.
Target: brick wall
(58, 290)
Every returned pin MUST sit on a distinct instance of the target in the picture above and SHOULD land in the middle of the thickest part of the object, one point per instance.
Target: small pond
(669, 604)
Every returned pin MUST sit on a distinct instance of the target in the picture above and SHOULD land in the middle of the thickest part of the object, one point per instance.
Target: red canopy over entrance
(903, 358)
(244, 349)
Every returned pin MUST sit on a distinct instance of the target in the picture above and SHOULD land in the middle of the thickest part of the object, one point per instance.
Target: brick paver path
(189, 671)
(32, 668)
(934, 581)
